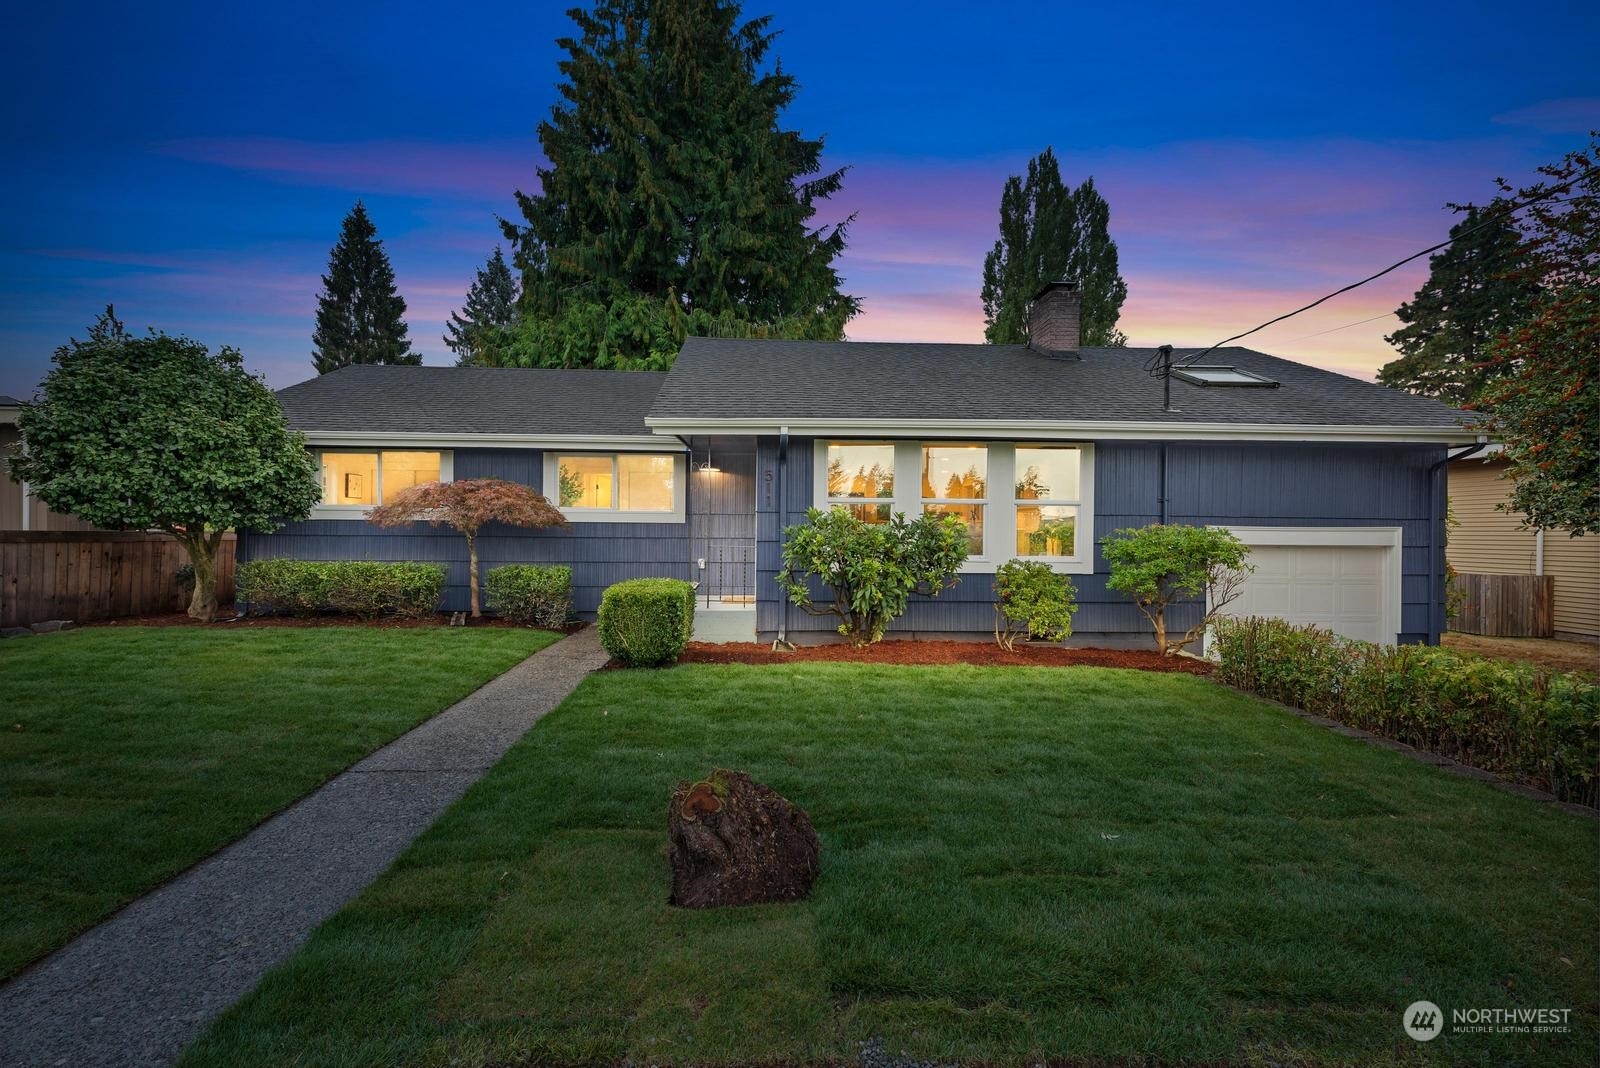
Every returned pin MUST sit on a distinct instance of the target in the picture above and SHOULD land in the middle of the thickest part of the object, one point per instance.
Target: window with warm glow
(859, 472)
(955, 481)
(1047, 500)
(364, 479)
(618, 482)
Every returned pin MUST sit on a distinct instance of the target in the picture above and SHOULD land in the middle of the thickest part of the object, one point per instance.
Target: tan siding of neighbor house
(1492, 542)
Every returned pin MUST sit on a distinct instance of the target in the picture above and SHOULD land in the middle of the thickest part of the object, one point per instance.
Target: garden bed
(984, 654)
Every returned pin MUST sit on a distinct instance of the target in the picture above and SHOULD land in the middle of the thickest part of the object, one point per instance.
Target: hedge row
(647, 622)
(358, 587)
(1533, 726)
(532, 594)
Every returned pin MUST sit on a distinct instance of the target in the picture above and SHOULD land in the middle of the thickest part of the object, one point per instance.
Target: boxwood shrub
(647, 622)
(1527, 724)
(530, 593)
(364, 588)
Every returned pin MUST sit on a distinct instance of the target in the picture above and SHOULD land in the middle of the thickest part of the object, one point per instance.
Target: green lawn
(127, 754)
(1017, 863)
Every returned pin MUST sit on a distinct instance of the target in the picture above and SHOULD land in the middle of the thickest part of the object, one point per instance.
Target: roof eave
(1104, 430)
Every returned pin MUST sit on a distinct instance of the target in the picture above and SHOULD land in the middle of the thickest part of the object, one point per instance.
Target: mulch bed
(228, 620)
(984, 654)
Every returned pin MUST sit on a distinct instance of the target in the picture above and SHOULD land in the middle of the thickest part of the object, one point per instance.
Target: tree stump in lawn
(737, 842)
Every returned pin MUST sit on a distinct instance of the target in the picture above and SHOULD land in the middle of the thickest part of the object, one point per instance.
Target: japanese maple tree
(465, 506)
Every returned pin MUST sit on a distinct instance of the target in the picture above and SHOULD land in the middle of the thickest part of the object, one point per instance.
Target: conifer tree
(1050, 231)
(671, 182)
(1473, 295)
(360, 313)
(490, 310)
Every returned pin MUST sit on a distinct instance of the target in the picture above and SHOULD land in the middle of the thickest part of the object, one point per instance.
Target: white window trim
(680, 487)
(1000, 519)
(1389, 538)
(447, 473)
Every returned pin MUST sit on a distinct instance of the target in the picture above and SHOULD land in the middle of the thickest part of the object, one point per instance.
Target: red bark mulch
(984, 654)
(226, 618)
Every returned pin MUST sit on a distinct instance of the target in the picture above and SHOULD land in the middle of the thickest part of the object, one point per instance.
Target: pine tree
(1049, 231)
(360, 314)
(1472, 296)
(491, 308)
(670, 179)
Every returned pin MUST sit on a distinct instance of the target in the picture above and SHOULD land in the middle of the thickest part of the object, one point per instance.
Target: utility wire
(1336, 329)
(1160, 366)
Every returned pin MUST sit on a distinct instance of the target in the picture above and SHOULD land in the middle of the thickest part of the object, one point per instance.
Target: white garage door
(1348, 589)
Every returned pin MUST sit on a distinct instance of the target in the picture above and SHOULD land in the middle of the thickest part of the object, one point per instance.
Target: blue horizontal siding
(1269, 485)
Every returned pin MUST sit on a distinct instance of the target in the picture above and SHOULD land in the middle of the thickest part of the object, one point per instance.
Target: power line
(1336, 329)
(1158, 368)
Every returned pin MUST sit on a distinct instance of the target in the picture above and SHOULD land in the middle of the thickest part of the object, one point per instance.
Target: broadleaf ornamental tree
(158, 432)
(360, 312)
(489, 312)
(872, 568)
(1160, 564)
(671, 180)
(1048, 232)
(1544, 404)
(466, 506)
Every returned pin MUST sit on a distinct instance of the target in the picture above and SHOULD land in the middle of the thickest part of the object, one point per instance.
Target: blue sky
(191, 165)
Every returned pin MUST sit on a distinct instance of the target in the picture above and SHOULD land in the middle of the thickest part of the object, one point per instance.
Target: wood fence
(95, 574)
(1505, 606)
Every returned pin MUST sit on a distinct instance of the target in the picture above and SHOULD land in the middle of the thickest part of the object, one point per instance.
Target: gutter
(1085, 430)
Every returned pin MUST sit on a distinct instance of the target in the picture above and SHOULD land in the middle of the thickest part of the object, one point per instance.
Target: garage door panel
(1341, 588)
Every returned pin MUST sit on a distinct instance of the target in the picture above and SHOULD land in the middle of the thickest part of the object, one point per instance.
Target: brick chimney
(1053, 317)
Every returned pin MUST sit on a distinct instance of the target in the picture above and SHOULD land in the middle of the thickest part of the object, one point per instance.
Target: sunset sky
(191, 163)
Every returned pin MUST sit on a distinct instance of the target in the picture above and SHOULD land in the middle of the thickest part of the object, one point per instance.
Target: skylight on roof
(1201, 375)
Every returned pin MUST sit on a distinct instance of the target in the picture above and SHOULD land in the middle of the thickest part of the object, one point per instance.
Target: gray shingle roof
(716, 378)
(8, 401)
(474, 400)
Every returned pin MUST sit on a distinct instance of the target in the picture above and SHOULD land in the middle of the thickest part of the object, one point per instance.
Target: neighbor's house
(1041, 450)
(19, 509)
(1489, 540)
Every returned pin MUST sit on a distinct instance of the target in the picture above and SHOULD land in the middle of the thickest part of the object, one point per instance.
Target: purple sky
(192, 167)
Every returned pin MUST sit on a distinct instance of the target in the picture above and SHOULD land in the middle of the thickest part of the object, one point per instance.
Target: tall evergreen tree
(1050, 231)
(491, 309)
(1473, 295)
(670, 180)
(360, 313)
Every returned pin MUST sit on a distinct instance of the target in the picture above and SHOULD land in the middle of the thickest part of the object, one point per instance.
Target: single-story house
(1490, 540)
(1041, 449)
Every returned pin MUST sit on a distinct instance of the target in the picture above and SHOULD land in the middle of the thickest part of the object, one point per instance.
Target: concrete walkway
(138, 988)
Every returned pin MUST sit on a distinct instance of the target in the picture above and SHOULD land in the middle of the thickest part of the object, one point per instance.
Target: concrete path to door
(139, 987)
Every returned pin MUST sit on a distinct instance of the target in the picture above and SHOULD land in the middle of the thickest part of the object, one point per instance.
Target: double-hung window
(1016, 499)
(1048, 498)
(955, 481)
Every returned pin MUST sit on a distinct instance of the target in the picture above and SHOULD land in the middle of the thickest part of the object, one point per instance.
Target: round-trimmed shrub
(647, 622)
(537, 595)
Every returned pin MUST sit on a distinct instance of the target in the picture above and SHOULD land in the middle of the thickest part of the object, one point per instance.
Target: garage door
(1341, 588)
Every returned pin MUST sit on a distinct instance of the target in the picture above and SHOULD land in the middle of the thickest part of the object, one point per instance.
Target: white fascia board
(584, 442)
(1052, 430)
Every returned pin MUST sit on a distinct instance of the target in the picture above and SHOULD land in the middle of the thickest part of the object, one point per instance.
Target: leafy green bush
(1032, 600)
(529, 593)
(647, 622)
(1162, 563)
(1527, 724)
(872, 568)
(359, 587)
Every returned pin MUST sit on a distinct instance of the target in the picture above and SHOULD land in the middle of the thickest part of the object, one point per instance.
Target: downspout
(1436, 617)
(1538, 551)
(782, 644)
(1162, 487)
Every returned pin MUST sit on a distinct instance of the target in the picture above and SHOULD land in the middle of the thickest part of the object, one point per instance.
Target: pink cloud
(1576, 115)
